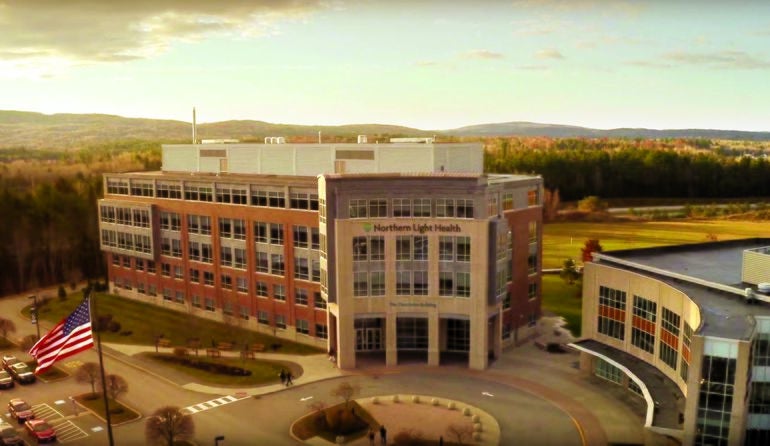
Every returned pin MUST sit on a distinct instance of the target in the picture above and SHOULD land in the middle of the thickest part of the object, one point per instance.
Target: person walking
(283, 377)
(371, 437)
(288, 379)
(383, 435)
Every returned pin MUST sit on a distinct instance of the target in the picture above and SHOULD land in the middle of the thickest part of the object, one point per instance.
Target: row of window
(128, 216)
(410, 207)
(220, 193)
(411, 283)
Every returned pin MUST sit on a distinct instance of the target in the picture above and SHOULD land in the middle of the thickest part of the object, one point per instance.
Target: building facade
(685, 328)
(383, 251)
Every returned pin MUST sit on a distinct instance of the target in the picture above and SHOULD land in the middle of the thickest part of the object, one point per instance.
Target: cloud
(549, 53)
(427, 63)
(105, 31)
(718, 59)
(482, 54)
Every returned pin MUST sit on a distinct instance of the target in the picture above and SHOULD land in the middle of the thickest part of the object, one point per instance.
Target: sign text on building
(420, 228)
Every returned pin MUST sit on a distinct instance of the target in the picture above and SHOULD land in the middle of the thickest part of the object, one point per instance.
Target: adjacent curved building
(686, 328)
(385, 252)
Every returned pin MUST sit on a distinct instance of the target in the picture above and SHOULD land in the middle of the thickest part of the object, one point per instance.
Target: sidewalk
(313, 368)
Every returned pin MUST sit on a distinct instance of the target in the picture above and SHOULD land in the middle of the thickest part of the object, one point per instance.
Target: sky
(427, 64)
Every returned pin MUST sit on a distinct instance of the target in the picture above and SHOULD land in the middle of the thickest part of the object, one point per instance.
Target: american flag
(69, 337)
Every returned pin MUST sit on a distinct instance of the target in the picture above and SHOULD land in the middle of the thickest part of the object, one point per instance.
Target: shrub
(114, 326)
(408, 437)
(62, 293)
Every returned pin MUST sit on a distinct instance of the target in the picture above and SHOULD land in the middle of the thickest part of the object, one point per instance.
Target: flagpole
(95, 328)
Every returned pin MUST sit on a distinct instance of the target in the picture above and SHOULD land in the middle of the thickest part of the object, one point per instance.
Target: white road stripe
(211, 404)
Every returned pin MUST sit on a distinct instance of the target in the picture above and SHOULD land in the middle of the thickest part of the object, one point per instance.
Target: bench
(246, 354)
(163, 342)
(225, 346)
(213, 353)
(257, 348)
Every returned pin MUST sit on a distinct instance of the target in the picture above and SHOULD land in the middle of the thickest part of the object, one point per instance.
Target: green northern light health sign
(420, 228)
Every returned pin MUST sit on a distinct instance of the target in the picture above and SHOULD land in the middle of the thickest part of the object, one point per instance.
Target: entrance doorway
(368, 335)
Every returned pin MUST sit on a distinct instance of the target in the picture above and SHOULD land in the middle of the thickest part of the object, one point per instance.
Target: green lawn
(146, 322)
(565, 240)
(118, 412)
(262, 372)
(564, 300)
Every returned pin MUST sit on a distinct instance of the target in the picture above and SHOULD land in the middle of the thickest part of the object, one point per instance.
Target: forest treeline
(48, 198)
(622, 168)
(48, 211)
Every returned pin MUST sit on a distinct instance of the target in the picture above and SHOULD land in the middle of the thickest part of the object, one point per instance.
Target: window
(276, 199)
(151, 266)
(242, 285)
(301, 270)
(169, 190)
(226, 256)
(420, 283)
(207, 253)
(421, 207)
(403, 247)
(279, 292)
(262, 265)
(178, 274)
(507, 200)
(303, 326)
(420, 247)
(239, 258)
(198, 192)
(199, 224)
(165, 269)
(318, 301)
(612, 306)
(463, 284)
(360, 248)
(446, 248)
(139, 264)
(403, 283)
(262, 289)
(227, 308)
(315, 270)
(360, 284)
(492, 205)
(208, 278)
(209, 302)
(126, 262)
(280, 321)
(263, 317)
(194, 251)
(299, 200)
(377, 283)
(244, 311)
(357, 208)
(604, 369)
(196, 301)
(179, 296)
(670, 321)
(315, 238)
(195, 276)
(463, 249)
(402, 207)
(227, 282)
(533, 197)
(276, 234)
(321, 331)
(445, 207)
(464, 208)
(277, 264)
(446, 285)
(668, 355)
(258, 197)
(378, 208)
(261, 234)
(300, 296)
(167, 294)
(300, 236)
(643, 325)
(141, 189)
(170, 221)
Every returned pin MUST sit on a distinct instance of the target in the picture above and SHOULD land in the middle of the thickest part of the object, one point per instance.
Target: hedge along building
(403, 248)
(686, 329)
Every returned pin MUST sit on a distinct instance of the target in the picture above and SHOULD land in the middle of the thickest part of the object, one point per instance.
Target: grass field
(262, 372)
(175, 326)
(565, 240)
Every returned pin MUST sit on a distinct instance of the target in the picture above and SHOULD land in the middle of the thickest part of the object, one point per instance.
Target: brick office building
(369, 249)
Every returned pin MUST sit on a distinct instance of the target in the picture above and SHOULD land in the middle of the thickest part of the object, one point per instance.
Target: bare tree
(116, 386)
(167, 425)
(28, 341)
(88, 373)
(460, 431)
(345, 391)
(7, 326)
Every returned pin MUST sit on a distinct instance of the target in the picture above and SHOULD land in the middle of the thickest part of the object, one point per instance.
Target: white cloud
(727, 59)
(482, 54)
(549, 53)
(106, 31)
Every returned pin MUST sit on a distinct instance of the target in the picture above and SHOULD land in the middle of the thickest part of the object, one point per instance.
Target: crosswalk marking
(211, 404)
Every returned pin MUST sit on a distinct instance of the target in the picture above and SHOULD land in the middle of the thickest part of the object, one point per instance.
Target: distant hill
(570, 131)
(61, 131)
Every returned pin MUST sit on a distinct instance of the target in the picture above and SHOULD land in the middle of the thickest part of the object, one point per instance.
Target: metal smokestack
(193, 127)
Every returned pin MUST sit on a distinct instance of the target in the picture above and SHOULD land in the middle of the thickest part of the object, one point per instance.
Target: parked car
(6, 381)
(9, 436)
(41, 430)
(22, 373)
(19, 409)
(8, 361)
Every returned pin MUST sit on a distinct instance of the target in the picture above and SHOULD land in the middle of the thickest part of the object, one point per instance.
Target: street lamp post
(217, 439)
(34, 313)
